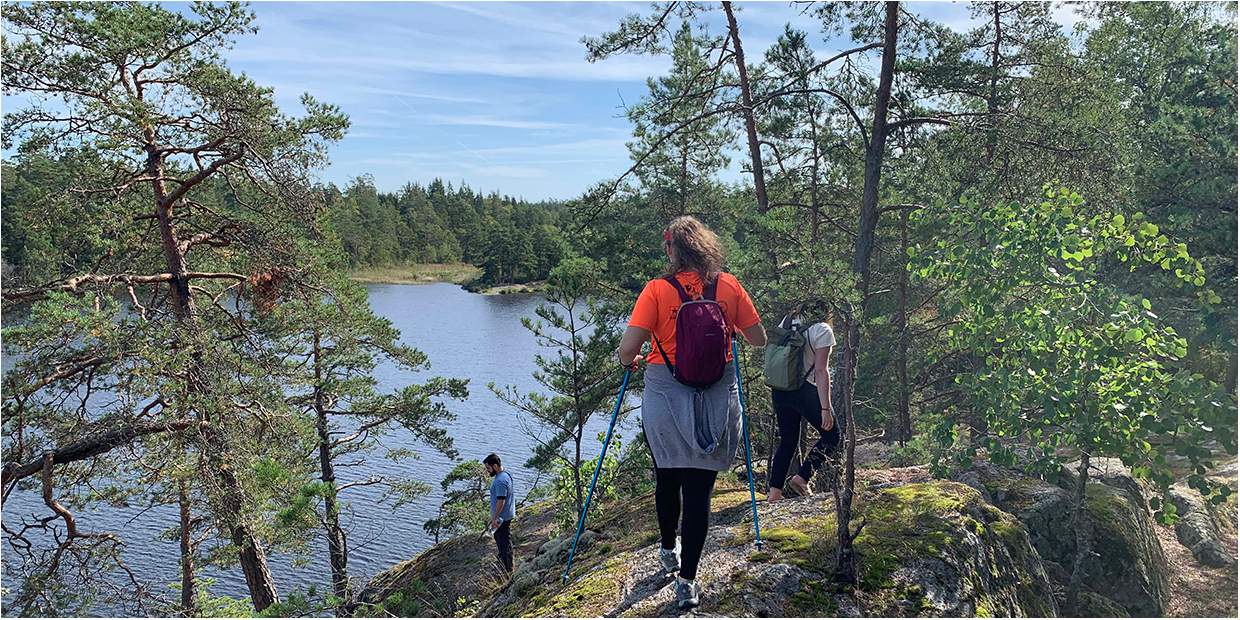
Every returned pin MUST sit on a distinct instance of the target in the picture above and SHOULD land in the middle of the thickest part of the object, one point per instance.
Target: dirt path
(1196, 590)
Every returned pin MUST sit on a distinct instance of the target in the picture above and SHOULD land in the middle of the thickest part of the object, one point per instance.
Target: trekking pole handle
(581, 520)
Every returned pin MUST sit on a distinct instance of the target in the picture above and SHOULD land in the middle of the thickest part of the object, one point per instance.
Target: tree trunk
(254, 566)
(1080, 528)
(814, 202)
(232, 495)
(874, 155)
(905, 430)
(577, 473)
(189, 594)
(845, 570)
(578, 408)
(684, 180)
(815, 205)
(182, 299)
(337, 547)
(991, 107)
(845, 559)
(751, 126)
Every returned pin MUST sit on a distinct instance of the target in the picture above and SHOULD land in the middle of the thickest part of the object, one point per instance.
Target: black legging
(693, 486)
(790, 408)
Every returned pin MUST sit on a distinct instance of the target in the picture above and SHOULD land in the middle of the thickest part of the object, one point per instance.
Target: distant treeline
(510, 239)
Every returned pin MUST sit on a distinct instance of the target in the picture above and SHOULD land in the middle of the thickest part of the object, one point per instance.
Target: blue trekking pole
(581, 521)
(740, 393)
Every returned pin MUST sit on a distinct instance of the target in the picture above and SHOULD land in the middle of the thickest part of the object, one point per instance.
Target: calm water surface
(465, 335)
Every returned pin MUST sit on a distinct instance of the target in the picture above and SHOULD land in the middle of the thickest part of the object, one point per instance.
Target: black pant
(790, 409)
(677, 486)
(503, 541)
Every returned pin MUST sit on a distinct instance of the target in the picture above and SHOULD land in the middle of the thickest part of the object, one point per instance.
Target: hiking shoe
(800, 486)
(687, 593)
(670, 559)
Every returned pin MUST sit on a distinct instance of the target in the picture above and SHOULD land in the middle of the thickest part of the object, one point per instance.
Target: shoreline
(418, 273)
(528, 288)
(460, 274)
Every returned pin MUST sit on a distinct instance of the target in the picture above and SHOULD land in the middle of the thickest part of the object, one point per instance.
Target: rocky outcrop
(948, 552)
(929, 548)
(996, 543)
(453, 577)
(1128, 568)
(1197, 529)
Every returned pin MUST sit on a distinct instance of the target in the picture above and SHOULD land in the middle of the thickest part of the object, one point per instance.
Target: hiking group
(691, 408)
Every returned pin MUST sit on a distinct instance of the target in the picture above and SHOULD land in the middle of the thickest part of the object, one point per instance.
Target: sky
(497, 95)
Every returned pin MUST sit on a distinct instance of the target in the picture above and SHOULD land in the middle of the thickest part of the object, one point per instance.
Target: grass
(455, 273)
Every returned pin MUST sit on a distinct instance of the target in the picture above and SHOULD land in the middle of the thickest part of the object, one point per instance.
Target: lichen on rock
(1129, 567)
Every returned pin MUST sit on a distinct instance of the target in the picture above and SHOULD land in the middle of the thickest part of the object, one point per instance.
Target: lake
(479, 337)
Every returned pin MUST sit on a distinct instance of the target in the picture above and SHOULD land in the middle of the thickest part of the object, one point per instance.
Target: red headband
(667, 235)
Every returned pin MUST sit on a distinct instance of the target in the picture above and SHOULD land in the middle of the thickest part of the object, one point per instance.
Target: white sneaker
(687, 593)
(670, 559)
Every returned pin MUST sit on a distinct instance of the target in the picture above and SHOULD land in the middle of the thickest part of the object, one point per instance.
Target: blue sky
(496, 94)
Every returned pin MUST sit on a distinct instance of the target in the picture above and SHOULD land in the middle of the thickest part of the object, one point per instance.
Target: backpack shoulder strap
(680, 290)
(684, 297)
(709, 291)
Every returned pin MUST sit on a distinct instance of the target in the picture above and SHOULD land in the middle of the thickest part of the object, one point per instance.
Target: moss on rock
(1130, 569)
(591, 595)
(934, 548)
(937, 548)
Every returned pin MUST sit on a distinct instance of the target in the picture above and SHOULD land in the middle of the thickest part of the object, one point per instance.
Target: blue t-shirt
(501, 486)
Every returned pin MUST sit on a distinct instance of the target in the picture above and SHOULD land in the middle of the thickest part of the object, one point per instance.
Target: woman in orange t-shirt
(692, 433)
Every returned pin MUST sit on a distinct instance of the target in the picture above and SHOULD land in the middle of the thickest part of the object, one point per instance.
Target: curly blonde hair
(694, 248)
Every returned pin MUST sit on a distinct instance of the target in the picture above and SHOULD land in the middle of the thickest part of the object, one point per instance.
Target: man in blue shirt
(503, 508)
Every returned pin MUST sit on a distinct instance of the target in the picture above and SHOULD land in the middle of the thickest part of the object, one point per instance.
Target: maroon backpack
(701, 338)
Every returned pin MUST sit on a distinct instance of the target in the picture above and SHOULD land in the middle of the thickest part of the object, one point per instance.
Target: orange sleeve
(646, 310)
(746, 313)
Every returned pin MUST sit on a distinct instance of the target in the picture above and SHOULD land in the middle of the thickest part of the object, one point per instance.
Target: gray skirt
(688, 427)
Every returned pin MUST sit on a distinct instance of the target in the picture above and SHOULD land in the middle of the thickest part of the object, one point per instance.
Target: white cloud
(513, 15)
(419, 95)
(588, 145)
(487, 121)
(510, 40)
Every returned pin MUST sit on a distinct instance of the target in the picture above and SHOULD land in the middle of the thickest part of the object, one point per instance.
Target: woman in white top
(813, 403)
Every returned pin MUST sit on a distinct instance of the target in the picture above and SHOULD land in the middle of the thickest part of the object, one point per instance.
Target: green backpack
(784, 361)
